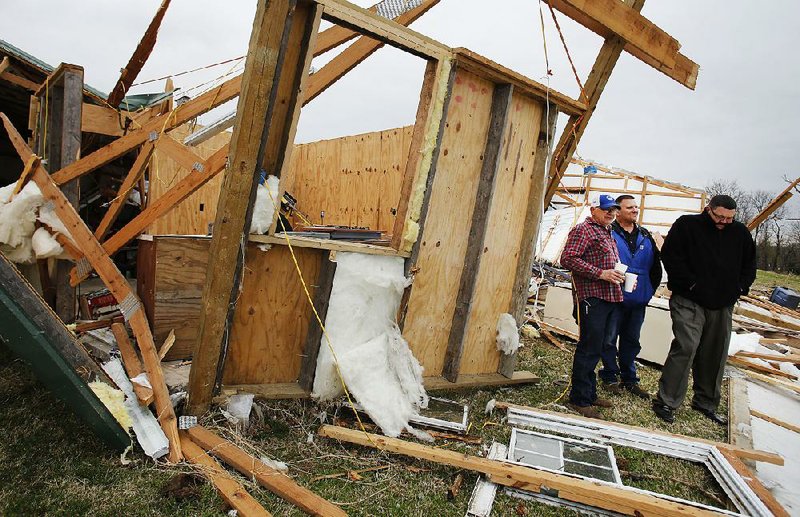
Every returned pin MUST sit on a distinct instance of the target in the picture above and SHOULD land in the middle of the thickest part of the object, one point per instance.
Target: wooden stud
(739, 413)
(314, 336)
(776, 421)
(530, 235)
(136, 172)
(182, 154)
(477, 380)
(606, 496)
(30, 166)
(773, 205)
(737, 361)
(592, 90)
(132, 363)
(139, 57)
(162, 352)
(230, 490)
(266, 72)
(501, 102)
(276, 482)
(781, 358)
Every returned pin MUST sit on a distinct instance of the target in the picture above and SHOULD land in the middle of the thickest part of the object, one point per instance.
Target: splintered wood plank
(272, 314)
(501, 103)
(276, 482)
(501, 249)
(268, 76)
(606, 496)
(115, 283)
(230, 489)
(132, 363)
(443, 243)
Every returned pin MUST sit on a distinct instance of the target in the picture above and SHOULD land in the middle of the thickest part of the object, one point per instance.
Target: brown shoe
(601, 402)
(587, 411)
(614, 388)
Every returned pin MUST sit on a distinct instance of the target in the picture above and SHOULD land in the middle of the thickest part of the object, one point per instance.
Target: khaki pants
(701, 343)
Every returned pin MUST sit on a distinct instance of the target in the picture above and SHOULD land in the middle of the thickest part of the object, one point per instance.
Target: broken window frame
(513, 448)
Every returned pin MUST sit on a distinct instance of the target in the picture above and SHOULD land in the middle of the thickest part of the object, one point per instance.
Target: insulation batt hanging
(375, 361)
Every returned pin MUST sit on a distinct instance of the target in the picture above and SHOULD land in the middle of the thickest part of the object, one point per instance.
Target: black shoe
(636, 390)
(663, 411)
(711, 415)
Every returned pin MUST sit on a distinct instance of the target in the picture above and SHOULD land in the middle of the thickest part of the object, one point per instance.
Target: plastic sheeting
(374, 360)
(554, 230)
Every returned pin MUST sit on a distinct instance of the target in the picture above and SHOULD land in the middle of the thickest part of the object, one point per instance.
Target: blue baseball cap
(604, 202)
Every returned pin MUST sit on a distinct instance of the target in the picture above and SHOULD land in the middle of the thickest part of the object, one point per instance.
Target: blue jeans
(596, 325)
(627, 323)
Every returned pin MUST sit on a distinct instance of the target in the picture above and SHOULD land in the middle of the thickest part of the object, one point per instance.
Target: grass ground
(770, 279)
(51, 466)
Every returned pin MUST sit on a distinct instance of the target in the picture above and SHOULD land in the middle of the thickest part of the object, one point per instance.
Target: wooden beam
(530, 232)
(593, 493)
(773, 205)
(683, 70)
(180, 153)
(276, 482)
(353, 55)
(776, 421)
(592, 90)
(136, 172)
(139, 57)
(737, 361)
(267, 73)
(5, 73)
(479, 380)
(314, 335)
(4, 65)
(625, 23)
(336, 35)
(132, 363)
(230, 490)
(781, 358)
(755, 485)
(791, 386)
(160, 124)
(501, 102)
(370, 24)
(115, 283)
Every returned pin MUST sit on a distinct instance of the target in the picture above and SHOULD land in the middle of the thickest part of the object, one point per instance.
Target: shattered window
(563, 455)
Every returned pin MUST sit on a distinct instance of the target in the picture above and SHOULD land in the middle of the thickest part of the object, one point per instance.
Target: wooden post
(501, 101)
(595, 83)
(314, 335)
(277, 61)
(60, 144)
(530, 234)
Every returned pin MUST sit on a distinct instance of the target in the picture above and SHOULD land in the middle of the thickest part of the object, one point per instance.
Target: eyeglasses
(720, 219)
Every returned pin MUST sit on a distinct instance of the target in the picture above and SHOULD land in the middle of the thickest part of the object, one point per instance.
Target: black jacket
(709, 266)
(655, 269)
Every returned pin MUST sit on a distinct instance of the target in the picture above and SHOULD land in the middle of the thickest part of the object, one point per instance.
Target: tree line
(777, 238)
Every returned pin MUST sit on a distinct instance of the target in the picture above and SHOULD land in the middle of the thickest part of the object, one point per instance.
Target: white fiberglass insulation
(375, 361)
(507, 334)
(20, 240)
(264, 208)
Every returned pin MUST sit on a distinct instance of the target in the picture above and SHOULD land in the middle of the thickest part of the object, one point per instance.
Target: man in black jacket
(710, 261)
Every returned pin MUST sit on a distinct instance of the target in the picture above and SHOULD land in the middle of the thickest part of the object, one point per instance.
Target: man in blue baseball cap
(591, 255)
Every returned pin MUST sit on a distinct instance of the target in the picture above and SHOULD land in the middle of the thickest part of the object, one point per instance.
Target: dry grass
(52, 466)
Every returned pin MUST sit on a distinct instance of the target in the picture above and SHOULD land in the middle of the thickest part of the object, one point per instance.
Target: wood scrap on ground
(776, 421)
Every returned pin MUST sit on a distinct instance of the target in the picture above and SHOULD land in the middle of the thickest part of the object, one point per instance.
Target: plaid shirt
(589, 250)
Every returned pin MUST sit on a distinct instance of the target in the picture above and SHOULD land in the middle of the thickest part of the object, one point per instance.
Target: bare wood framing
(115, 283)
(755, 485)
(592, 89)
(265, 73)
(602, 495)
(530, 234)
(776, 421)
(773, 205)
(501, 101)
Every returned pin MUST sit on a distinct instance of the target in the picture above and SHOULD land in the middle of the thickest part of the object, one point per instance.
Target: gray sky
(741, 123)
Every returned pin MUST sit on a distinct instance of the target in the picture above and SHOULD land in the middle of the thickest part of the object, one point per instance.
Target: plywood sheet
(444, 240)
(271, 317)
(496, 274)
(193, 215)
(356, 180)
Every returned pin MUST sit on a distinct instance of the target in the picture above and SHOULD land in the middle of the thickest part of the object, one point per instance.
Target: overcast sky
(741, 123)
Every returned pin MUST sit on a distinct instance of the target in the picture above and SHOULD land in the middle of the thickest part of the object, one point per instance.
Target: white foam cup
(619, 266)
(630, 282)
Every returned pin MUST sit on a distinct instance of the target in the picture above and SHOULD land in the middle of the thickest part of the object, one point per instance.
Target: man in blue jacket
(639, 252)
(710, 261)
